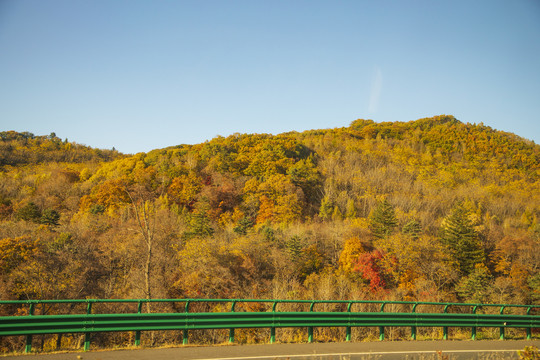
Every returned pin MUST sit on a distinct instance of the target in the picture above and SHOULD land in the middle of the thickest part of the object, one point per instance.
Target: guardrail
(89, 322)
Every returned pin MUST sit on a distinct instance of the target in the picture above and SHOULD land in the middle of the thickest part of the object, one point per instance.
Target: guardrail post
(473, 329)
(138, 332)
(87, 334)
(231, 330)
(185, 334)
(501, 330)
(413, 328)
(310, 328)
(348, 328)
(28, 344)
(381, 328)
(529, 329)
(273, 328)
(445, 328)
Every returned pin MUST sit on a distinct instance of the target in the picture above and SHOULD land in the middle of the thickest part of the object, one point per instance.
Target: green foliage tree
(463, 241)
(50, 217)
(305, 175)
(476, 286)
(244, 224)
(97, 209)
(382, 221)
(350, 212)
(294, 247)
(29, 212)
(413, 229)
(326, 209)
(199, 223)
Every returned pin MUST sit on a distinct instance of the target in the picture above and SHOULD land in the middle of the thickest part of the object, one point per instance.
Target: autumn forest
(430, 210)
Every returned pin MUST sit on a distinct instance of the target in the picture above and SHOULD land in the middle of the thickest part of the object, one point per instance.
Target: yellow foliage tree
(184, 189)
(352, 248)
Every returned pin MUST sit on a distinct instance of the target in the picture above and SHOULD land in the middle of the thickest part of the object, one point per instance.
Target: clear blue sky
(141, 75)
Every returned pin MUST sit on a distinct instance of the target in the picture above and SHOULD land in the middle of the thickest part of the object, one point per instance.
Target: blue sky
(141, 75)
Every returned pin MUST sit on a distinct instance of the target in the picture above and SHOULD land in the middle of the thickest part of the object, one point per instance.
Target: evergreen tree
(382, 220)
(268, 233)
(350, 212)
(413, 229)
(50, 217)
(476, 286)
(29, 212)
(244, 224)
(294, 247)
(199, 224)
(463, 241)
(326, 209)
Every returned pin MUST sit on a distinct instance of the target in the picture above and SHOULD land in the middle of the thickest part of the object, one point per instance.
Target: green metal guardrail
(89, 322)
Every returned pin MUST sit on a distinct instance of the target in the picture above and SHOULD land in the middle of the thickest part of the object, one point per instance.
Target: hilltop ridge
(18, 148)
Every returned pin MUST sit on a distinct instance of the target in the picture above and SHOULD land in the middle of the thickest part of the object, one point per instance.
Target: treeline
(430, 210)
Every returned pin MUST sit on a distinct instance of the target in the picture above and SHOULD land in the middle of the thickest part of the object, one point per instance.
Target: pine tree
(199, 224)
(413, 229)
(29, 212)
(476, 286)
(382, 220)
(350, 212)
(244, 224)
(50, 217)
(325, 211)
(463, 241)
(294, 247)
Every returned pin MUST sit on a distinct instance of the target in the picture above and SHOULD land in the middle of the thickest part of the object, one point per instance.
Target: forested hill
(432, 209)
(27, 148)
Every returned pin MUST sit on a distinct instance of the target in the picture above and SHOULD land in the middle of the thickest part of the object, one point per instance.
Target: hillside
(26, 148)
(432, 210)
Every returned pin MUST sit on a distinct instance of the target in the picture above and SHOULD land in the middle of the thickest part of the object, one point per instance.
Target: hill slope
(432, 209)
